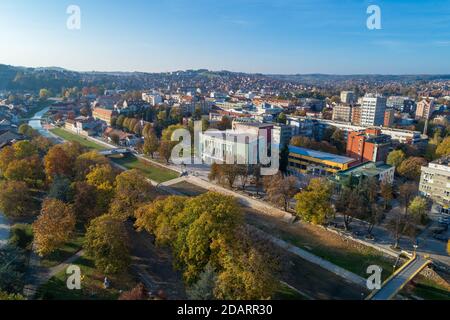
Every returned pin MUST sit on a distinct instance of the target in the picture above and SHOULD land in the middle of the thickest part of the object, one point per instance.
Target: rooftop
(320, 155)
(368, 169)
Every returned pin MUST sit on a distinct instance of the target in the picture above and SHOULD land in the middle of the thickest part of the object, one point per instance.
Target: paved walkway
(404, 275)
(37, 275)
(345, 274)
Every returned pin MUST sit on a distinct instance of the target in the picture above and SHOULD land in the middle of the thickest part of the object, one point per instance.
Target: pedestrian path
(394, 284)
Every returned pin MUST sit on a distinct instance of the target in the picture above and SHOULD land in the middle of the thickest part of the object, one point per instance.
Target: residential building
(389, 116)
(372, 110)
(368, 145)
(8, 137)
(342, 112)
(104, 115)
(425, 109)
(317, 163)
(348, 97)
(84, 126)
(281, 135)
(152, 98)
(378, 170)
(401, 104)
(435, 182)
(356, 115)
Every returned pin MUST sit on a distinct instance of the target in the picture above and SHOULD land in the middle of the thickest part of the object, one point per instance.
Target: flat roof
(320, 155)
(371, 169)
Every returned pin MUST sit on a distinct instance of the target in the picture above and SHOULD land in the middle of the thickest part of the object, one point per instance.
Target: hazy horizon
(252, 36)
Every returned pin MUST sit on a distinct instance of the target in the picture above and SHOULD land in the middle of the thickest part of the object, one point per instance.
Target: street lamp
(415, 248)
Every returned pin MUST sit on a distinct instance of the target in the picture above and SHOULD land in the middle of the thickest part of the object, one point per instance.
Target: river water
(5, 225)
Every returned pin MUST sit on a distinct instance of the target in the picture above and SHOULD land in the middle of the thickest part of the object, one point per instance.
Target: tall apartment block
(348, 97)
(435, 181)
(425, 109)
(372, 110)
(389, 115)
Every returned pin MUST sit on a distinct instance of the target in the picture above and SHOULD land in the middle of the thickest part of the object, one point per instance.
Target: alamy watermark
(74, 280)
(374, 19)
(74, 20)
(374, 280)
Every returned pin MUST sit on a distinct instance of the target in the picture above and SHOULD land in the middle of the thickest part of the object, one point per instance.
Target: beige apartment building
(435, 181)
(342, 112)
(425, 109)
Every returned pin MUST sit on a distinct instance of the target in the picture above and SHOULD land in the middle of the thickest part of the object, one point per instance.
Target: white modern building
(372, 110)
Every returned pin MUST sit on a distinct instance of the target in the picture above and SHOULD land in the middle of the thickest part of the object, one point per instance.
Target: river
(5, 224)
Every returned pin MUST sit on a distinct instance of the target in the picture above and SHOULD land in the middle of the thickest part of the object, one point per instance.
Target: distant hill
(14, 78)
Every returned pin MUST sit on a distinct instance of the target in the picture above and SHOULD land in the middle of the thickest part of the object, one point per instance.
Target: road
(400, 279)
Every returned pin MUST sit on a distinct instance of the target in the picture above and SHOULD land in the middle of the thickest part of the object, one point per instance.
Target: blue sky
(268, 36)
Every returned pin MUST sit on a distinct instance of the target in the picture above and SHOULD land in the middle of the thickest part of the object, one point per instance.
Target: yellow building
(307, 161)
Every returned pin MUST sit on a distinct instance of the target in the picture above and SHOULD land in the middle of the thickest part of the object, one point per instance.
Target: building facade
(342, 112)
(368, 146)
(316, 163)
(372, 110)
(425, 109)
(435, 181)
(348, 97)
(389, 116)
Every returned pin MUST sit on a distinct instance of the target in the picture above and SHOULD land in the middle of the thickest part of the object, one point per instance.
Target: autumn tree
(418, 208)
(280, 190)
(103, 179)
(27, 131)
(85, 162)
(395, 158)
(215, 173)
(106, 242)
(84, 199)
(386, 192)
(443, 149)
(249, 269)
(157, 218)
(57, 163)
(351, 205)
(132, 189)
(206, 226)
(229, 174)
(314, 202)
(16, 199)
(151, 144)
(165, 150)
(403, 223)
(411, 168)
(53, 227)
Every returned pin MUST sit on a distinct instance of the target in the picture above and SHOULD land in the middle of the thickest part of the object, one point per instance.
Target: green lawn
(74, 137)
(91, 284)
(349, 255)
(153, 172)
(286, 293)
(428, 289)
(65, 252)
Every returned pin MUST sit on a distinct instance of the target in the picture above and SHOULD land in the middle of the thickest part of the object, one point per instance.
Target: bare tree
(280, 190)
